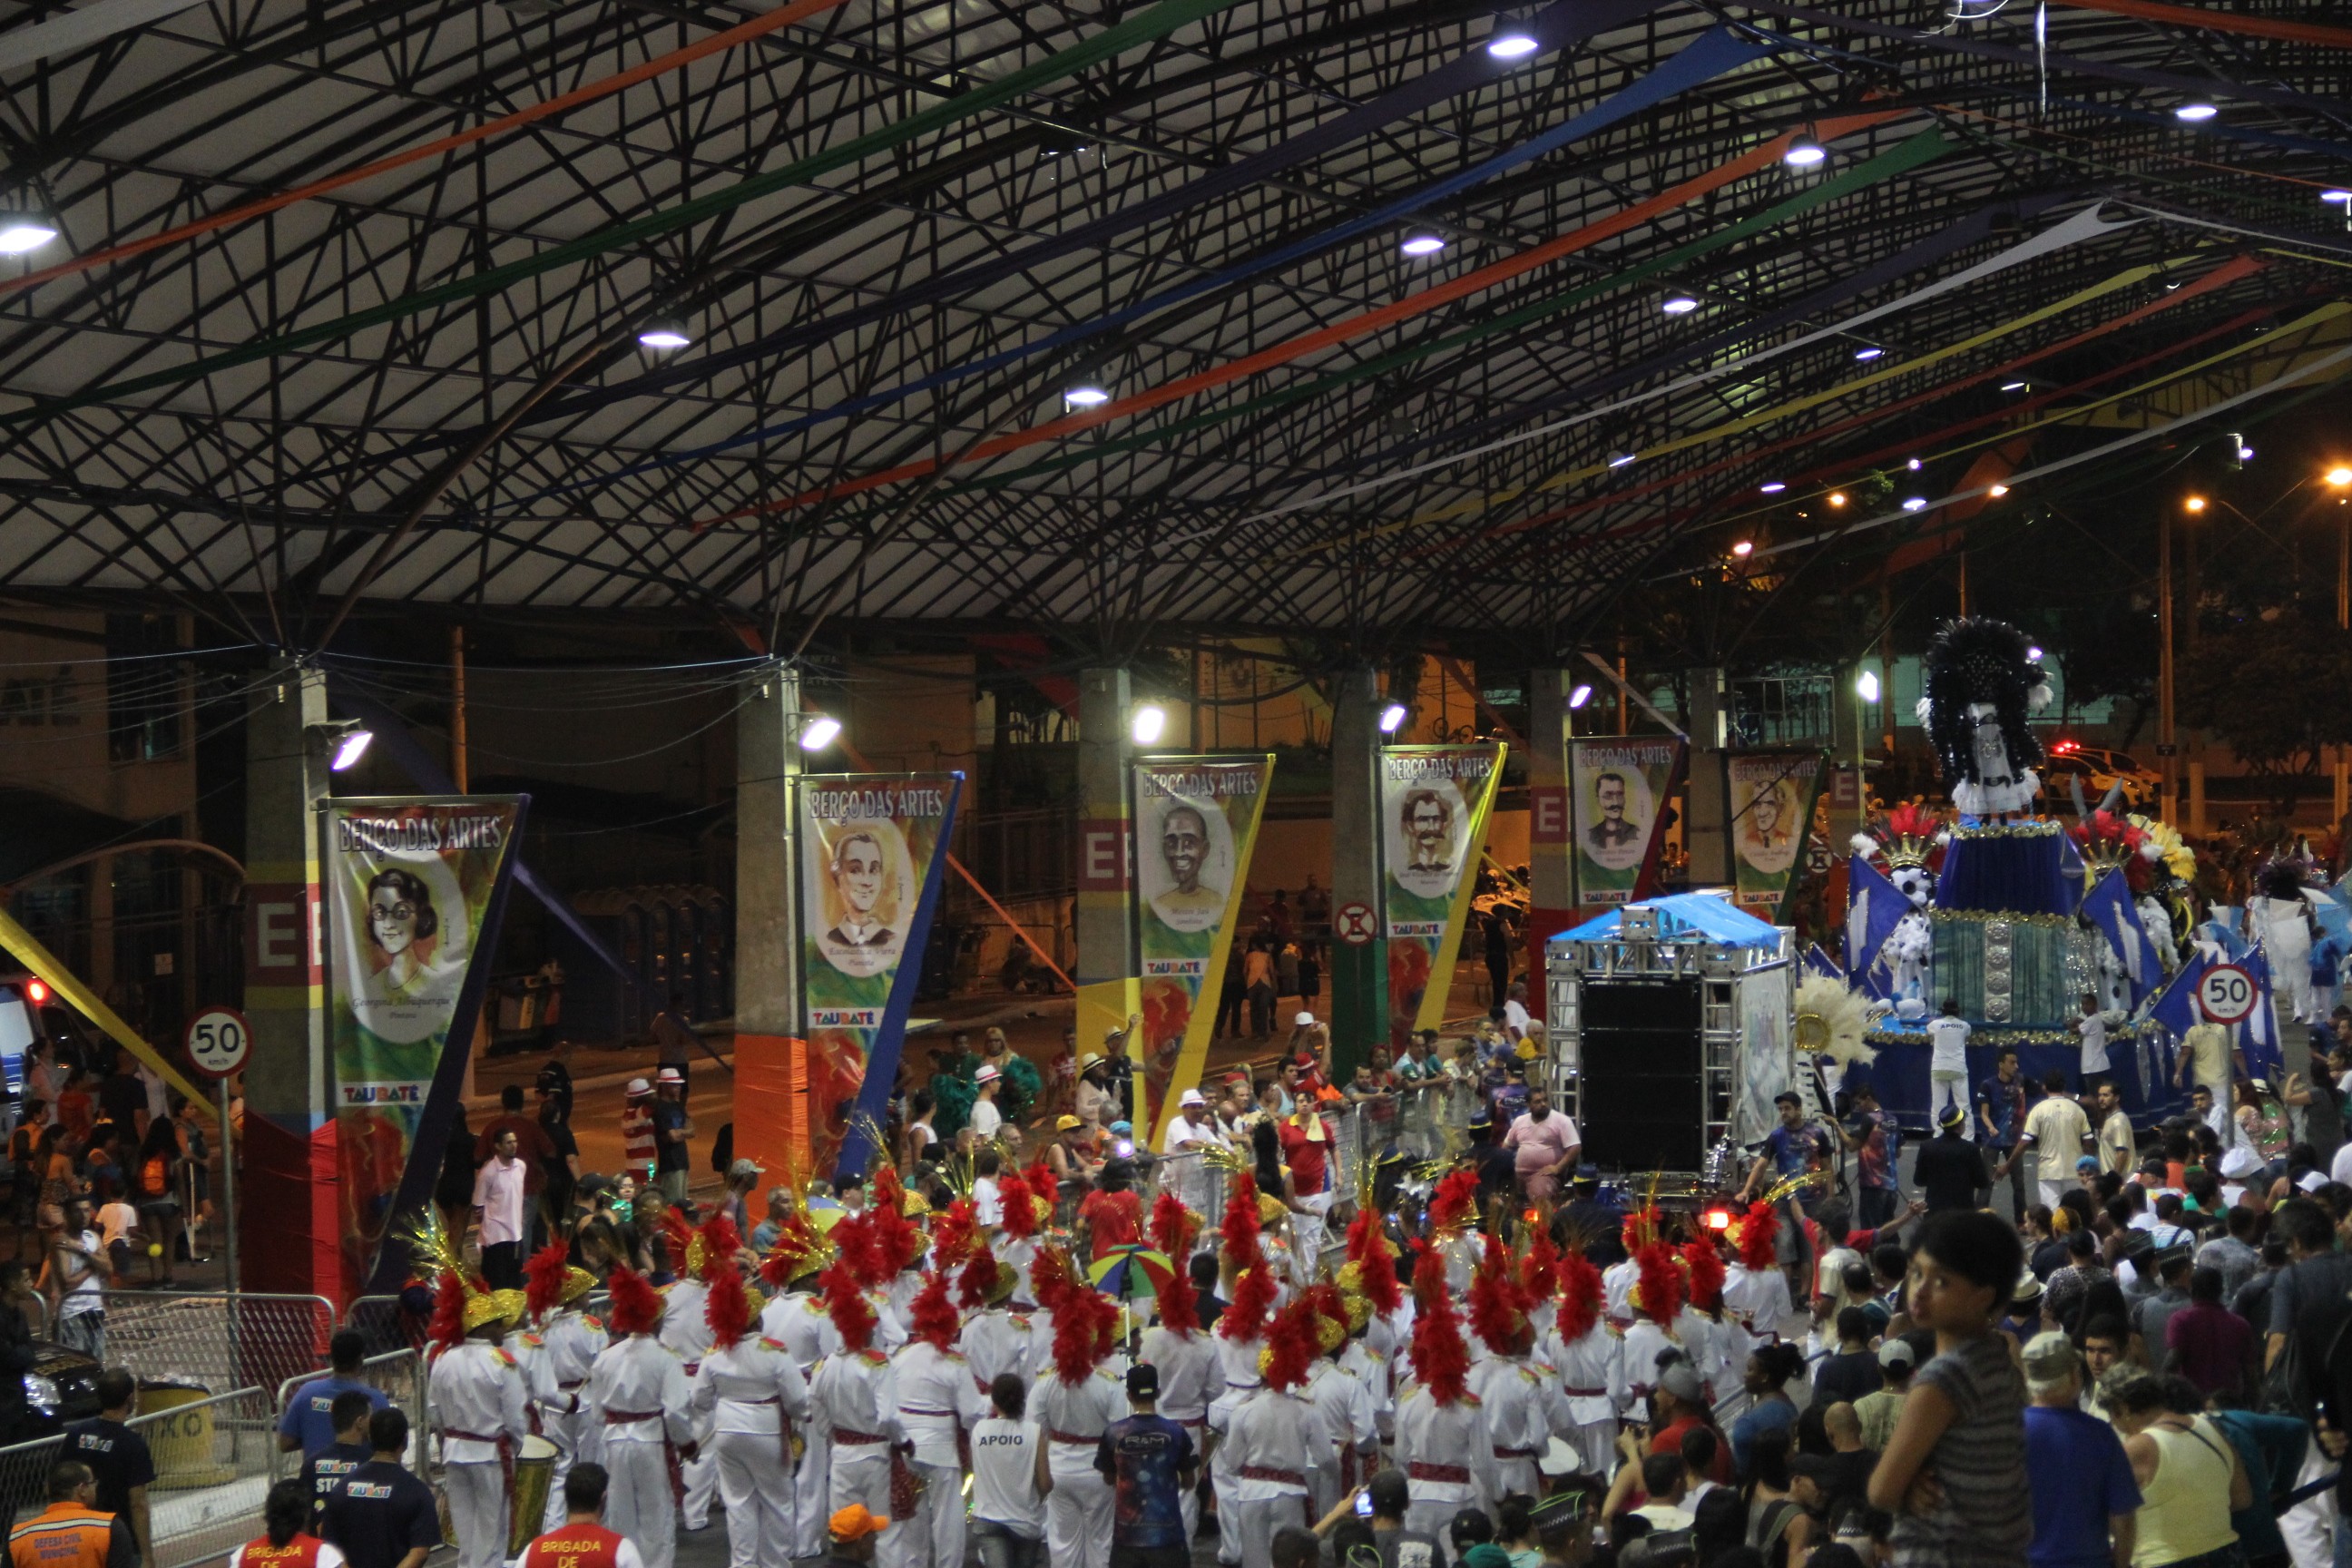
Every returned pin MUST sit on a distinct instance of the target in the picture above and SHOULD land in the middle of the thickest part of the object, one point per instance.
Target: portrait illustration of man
(861, 941)
(1768, 828)
(1428, 833)
(1615, 841)
(1187, 903)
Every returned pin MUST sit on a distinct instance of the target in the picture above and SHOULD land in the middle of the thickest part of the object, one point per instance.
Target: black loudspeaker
(1642, 1102)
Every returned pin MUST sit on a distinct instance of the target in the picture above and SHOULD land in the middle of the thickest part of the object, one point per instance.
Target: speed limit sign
(218, 1039)
(2225, 993)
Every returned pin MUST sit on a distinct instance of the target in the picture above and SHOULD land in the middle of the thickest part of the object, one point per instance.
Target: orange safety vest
(66, 1535)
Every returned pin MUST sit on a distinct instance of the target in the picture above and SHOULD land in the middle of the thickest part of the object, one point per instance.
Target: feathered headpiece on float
(636, 1305)
(1976, 660)
(1440, 1359)
(1831, 1021)
(551, 1281)
(1171, 1230)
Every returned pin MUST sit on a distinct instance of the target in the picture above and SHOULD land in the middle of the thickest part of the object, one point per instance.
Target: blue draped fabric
(2011, 873)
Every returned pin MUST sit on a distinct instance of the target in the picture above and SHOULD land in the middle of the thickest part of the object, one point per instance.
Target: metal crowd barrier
(401, 1375)
(211, 1341)
(215, 1459)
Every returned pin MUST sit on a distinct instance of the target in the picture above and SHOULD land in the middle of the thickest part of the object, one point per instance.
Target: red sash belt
(1061, 1436)
(1585, 1393)
(1268, 1473)
(843, 1438)
(629, 1417)
(1515, 1453)
(1457, 1474)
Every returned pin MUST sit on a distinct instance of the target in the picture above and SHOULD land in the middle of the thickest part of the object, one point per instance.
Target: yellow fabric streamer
(36, 958)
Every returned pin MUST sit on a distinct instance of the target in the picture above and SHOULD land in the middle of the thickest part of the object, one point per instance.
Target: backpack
(154, 1176)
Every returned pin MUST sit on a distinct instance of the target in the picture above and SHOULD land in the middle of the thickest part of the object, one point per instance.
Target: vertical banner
(1433, 802)
(1621, 789)
(413, 889)
(873, 853)
(1195, 825)
(1772, 796)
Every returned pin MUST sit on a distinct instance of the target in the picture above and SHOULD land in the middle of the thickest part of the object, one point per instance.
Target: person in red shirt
(286, 1543)
(1113, 1212)
(1678, 1406)
(581, 1540)
(2208, 1344)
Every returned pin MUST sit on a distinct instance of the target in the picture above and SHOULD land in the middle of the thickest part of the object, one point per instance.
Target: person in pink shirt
(1544, 1143)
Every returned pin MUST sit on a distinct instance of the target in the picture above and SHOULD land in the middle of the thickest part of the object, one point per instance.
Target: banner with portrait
(1433, 802)
(1195, 825)
(872, 856)
(412, 889)
(1620, 790)
(1772, 796)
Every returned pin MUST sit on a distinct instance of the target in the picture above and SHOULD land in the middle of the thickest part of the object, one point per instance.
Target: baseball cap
(1190, 1096)
(669, 1075)
(2313, 1181)
(1067, 1123)
(854, 1523)
(1681, 1380)
(1897, 1352)
(746, 1168)
(640, 1086)
(986, 1075)
(2241, 1162)
(2087, 1162)
(1122, 1129)
(1144, 1380)
(2049, 1358)
(1303, 1020)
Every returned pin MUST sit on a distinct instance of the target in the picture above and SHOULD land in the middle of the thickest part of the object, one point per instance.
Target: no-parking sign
(1354, 924)
(2225, 993)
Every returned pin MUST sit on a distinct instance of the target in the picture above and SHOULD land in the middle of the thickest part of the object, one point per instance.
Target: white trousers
(2310, 1525)
(638, 1505)
(757, 1495)
(867, 1481)
(477, 1509)
(1950, 1088)
(1595, 1442)
(700, 1475)
(562, 1428)
(811, 1494)
(1222, 1486)
(1255, 1520)
(935, 1535)
(1078, 1520)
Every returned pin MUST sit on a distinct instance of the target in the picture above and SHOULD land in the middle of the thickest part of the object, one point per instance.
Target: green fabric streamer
(1157, 23)
(1921, 149)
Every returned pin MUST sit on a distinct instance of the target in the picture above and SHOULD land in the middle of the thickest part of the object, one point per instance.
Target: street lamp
(1150, 721)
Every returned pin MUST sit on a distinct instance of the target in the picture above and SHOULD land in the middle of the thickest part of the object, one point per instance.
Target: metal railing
(215, 1459)
(401, 1375)
(210, 1341)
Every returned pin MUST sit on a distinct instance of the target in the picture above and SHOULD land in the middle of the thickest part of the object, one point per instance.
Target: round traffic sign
(2225, 993)
(218, 1039)
(1354, 924)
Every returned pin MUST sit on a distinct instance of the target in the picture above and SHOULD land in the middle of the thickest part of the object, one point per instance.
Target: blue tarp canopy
(1685, 914)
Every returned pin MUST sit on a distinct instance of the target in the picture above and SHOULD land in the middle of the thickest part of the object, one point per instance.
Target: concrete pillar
(774, 1113)
(292, 1235)
(1107, 994)
(1360, 971)
(1551, 892)
(1851, 721)
(101, 974)
(1706, 825)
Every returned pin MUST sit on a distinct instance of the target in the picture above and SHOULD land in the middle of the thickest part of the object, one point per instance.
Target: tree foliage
(2273, 685)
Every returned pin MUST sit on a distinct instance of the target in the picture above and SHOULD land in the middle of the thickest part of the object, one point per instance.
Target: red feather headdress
(1658, 1281)
(543, 1279)
(720, 1242)
(1049, 1278)
(1494, 1314)
(1239, 1232)
(1020, 1220)
(726, 1309)
(1706, 1264)
(1368, 1249)
(1540, 1269)
(978, 1278)
(636, 1305)
(954, 1232)
(1084, 1323)
(931, 1316)
(1455, 1203)
(1758, 1237)
(1581, 1294)
(1171, 1233)
(1640, 1229)
(677, 1240)
(846, 1304)
(1172, 1227)
(449, 1324)
(1439, 1360)
(1291, 1345)
(895, 1243)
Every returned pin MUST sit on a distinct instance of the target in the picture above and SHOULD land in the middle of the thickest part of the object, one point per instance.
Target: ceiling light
(1421, 242)
(1579, 696)
(350, 750)
(1150, 721)
(1865, 686)
(1392, 718)
(1998, 491)
(1914, 503)
(665, 336)
(1868, 351)
(1772, 487)
(1621, 459)
(2339, 476)
(2012, 386)
(21, 232)
(1510, 40)
(2033, 653)
(1085, 391)
(1837, 497)
(2195, 113)
(1744, 549)
(2340, 197)
(821, 730)
(1679, 305)
(1913, 464)
(2194, 503)
(2245, 453)
(1804, 152)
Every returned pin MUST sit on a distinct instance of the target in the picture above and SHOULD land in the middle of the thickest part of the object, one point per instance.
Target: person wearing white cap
(1190, 1132)
(637, 1149)
(985, 1118)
